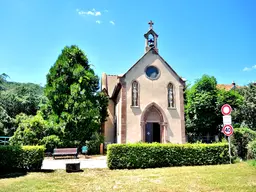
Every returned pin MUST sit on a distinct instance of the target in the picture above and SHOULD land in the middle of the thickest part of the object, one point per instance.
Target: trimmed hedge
(21, 158)
(143, 155)
(241, 138)
(251, 154)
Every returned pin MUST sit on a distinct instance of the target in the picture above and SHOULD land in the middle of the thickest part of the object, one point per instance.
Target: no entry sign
(228, 130)
(226, 109)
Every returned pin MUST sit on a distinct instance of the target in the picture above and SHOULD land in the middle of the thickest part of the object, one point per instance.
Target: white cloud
(93, 12)
(112, 22)
(249, 68)
(98, 21)
(106, 10)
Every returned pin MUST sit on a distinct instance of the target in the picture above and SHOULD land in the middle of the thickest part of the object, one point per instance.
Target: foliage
(200, 109)
(235, 100)
(18, 98)
(51, 142)
(21, 98)
(33, 130)
(10, 157)
(203, 104)
(241, 138)
(3, 78)
(122, 156)
(252, 162)
(73, 99)
(17, 157)
(5, 121)
(32, 157)
(30, 131)
(251, 154)
(94, 143)
(248, 107)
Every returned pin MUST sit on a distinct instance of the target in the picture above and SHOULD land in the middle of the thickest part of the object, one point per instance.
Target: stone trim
(182, 115)
(162, 122)
(123, 112)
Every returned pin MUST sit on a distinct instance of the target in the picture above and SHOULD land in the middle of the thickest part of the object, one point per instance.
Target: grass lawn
(236, 177)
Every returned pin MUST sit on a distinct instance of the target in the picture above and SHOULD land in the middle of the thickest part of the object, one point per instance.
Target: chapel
(146, 103)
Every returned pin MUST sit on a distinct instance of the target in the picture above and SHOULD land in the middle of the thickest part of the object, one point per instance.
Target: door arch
(153, 114)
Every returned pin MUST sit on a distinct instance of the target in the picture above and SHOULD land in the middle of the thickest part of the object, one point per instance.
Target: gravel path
(99, 162)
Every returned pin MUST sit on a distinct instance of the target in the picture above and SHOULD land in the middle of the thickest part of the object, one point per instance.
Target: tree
(3, 78)
(248, 108)
(201, 118)
(34, 130)
(203, 105)
(18, 98)
(235, 100)
(72, 92)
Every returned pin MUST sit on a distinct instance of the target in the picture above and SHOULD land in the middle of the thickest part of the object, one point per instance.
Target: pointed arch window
(135, 93)
(170, 95)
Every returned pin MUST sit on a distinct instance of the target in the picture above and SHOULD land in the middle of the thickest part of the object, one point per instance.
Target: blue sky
(196, 37)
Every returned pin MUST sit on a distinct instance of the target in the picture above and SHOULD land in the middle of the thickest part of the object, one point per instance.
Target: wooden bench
(65, 152)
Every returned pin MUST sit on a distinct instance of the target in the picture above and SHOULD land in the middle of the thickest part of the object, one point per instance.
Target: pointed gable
(152, 51)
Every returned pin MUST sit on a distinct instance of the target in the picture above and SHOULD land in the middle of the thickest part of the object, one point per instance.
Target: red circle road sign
(226, 109)
(228, 130)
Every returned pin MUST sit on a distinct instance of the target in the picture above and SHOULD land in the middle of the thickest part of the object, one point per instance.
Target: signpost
(226, 109)
(227, 127)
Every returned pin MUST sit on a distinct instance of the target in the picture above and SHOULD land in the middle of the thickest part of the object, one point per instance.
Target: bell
(151, 40)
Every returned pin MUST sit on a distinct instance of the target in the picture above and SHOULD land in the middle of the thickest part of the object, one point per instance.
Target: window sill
(171, 108)
(134, 106)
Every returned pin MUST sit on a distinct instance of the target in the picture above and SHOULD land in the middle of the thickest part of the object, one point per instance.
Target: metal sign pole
(229, 149)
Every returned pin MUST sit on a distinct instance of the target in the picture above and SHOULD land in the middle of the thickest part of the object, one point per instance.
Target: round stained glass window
(152, 72)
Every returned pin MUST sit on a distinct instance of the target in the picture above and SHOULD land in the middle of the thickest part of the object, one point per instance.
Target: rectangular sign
(227, 120)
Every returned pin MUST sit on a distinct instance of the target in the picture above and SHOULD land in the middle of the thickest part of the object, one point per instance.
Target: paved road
(50, 163)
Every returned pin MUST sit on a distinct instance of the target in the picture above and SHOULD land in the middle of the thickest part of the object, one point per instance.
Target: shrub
(241, 138)
(30, 131)
(32, 157)
(24, 158)
(94, 144)
(121, 156)
(50, 142)
(251, 153)
(10, 157)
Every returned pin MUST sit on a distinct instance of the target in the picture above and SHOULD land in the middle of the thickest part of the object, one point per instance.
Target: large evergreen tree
(73, 97)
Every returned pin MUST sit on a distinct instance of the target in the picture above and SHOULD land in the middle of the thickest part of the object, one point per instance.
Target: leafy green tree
(201, 117)
(203, 107)
(72, 92)
(18, 98)
(3, 78)
(21, 99)
(235, 100)
(34, 130)
(248, 108)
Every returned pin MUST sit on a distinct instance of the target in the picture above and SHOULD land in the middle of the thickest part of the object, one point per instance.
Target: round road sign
(226, 109)
(228, 130)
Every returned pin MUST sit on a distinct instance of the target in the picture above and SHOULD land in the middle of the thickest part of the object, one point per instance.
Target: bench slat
(65, 151)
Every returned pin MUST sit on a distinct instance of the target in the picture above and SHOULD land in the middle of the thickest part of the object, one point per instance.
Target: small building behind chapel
(146, 103)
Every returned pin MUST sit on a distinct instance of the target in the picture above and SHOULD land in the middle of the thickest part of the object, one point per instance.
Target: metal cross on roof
(151, 24)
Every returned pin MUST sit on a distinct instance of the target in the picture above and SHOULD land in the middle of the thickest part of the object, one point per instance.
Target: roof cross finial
(151, 24)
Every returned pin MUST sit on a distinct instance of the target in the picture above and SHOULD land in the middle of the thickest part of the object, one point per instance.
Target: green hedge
(251, 154)
(241, 138)
(21, 158)
(142, 155)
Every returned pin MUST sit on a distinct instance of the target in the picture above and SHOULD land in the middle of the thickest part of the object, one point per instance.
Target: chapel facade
(147, 102)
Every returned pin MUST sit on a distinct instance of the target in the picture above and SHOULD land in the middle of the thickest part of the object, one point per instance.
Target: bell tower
(151, 38)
